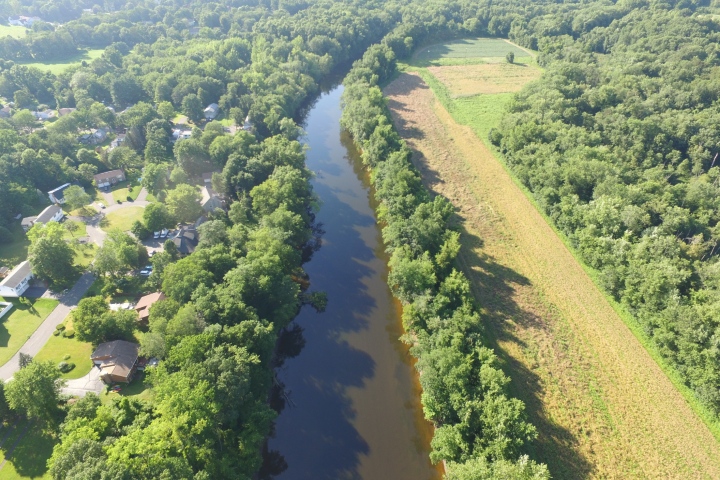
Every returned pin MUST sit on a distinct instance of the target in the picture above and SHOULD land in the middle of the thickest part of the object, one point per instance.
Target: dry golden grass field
(602, 405)
(488, 78)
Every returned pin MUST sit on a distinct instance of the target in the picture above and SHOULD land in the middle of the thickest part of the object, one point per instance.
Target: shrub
(65, 367)
(60, 327)
(70, 333)
(57, 332)
(66, 357)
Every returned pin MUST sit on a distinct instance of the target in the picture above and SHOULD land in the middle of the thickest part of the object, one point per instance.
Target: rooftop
(17, 275)
(116, 358)
(47, 214)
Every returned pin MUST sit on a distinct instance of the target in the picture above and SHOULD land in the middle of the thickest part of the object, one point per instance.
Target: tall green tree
(50, 255)
(35, 392)
(183, 203)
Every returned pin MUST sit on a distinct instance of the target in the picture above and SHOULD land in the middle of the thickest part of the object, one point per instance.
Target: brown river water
(349, 406)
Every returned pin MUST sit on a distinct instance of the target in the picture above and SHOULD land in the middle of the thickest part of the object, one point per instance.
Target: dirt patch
(464, 80)
(603, 407)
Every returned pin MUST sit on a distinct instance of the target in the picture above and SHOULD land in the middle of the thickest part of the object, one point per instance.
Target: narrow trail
(603, 407)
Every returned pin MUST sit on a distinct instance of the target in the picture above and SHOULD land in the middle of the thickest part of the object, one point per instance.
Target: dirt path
(603, 407)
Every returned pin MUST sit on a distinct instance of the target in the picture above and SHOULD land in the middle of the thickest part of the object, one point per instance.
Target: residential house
(181, 133)
(186, 240)
(107, 179)
(144, 304)
(22, 21)
(95, 137)
(207, 178)
(65, 111)
(58, 195)
(17, 281)
(212, 111)
(53, 213)
(117, 360)
(117, 141)
(248, 126)
(210, 199)
(44, 115)
(6, 112)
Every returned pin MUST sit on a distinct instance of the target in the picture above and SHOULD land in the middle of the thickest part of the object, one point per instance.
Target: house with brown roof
(106, 179)
(144, 304)
(117, 360)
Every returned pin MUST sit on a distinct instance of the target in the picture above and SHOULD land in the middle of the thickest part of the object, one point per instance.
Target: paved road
(81, 386)
(43, 333)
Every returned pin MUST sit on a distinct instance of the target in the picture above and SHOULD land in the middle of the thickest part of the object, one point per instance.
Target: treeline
(480, 430)
(229, 299)
(620, 149)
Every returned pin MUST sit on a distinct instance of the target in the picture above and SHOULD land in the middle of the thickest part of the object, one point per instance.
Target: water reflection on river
(350, 407)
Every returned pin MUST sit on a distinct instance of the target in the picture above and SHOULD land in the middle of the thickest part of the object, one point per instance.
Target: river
(351, 402)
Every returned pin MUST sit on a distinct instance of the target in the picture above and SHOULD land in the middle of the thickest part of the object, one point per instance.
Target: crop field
(489, 78)
(468, 50)
(602, 405)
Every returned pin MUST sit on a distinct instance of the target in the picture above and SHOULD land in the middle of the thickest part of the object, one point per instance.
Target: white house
(181, 134)
(53, 213)
(212, 111)
(247, 125)
(58, 195)
(17, 281)
(44, 115)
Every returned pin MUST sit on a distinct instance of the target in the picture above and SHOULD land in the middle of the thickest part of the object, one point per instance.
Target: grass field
(121, 192)
(138, 389)
(122, 219)
(26, 450)
(58, 347)
(60, 66)
(490, 78)
(602, 405)
(17, 326)
(13, 253)
(12, 31)
(469, 51)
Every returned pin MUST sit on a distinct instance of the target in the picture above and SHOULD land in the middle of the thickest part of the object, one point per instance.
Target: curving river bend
(350, 403)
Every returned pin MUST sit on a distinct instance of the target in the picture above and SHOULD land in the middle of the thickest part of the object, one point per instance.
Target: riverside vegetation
(641, 207)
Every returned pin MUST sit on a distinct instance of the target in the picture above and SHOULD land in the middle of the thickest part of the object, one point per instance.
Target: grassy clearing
(138, 389)
(122, 219)
(27, 450)
(14, 253)
(463, 81)
(84, 254)
(17, 326)
(602, 405)
(121, 192)
(468, 51)
(12, 31)
(57, 348)
(59, 66)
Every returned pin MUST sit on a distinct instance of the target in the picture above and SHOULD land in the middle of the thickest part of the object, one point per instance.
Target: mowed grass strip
(17, 325)
(602, 405)
(493, 49)
(59, 66)
(489, 78)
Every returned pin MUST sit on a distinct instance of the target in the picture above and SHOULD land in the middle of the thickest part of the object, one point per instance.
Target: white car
(164, 233)
(101, 205)
(145, 272)
(156, 235)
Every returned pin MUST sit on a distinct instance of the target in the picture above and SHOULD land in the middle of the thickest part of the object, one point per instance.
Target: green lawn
(58, 347)
(121, 192)
(13, 31)
(74, 229)
(14, 253)
(59, 66)
(27, 450)
(138, 389)
(85, 254)
(17, 326)
(122, 219)
(459, 51)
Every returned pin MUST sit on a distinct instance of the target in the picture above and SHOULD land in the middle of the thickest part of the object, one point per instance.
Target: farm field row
(602, 405)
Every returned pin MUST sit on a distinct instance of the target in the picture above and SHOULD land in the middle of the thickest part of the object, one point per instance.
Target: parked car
(164, 233)
(156, 235)
(145, 272)
(101, 205)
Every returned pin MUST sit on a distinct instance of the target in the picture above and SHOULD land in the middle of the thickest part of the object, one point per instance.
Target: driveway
(81, 386)
(39, 338)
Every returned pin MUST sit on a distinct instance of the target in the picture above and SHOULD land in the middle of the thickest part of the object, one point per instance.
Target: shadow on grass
(32, 452)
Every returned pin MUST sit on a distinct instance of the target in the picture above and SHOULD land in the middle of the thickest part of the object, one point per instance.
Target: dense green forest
(616, 141)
